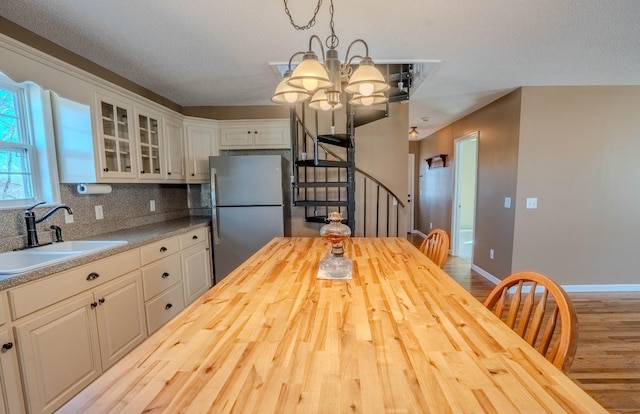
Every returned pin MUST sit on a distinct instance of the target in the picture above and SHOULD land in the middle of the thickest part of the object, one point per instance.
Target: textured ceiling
(206, 52)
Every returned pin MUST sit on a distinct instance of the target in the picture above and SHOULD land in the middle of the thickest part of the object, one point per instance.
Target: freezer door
(242, 231)
(248, 180)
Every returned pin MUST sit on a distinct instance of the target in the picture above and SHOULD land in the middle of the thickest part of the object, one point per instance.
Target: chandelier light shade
(287, 94)
(413, 132)
(373, 99)
(320, 102)
(310, 74)
(366, 80)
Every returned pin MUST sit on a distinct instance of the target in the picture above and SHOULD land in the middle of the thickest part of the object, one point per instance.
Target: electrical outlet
(68, 218)
(430, 226)
(491, 254)
(532, 203)
(152, 205)
(99, 213)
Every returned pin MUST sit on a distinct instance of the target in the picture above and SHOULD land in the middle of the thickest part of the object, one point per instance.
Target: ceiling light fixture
(323, 82)
(413, 133)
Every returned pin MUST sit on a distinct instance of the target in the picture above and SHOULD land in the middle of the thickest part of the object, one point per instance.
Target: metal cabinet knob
(168, 306)
(165, 275)
(7, 346)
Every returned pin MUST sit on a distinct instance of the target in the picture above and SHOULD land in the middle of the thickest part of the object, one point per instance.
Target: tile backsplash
(128, 205)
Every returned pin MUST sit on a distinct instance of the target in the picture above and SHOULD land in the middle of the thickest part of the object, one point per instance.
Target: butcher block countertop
(400, 337)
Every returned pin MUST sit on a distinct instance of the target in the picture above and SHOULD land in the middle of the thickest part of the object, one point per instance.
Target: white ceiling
(207, 52)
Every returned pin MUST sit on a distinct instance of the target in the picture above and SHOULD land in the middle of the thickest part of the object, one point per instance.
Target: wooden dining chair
(436, 246)
(540, 311)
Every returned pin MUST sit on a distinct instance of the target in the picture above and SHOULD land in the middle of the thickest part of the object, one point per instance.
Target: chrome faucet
(31, 221)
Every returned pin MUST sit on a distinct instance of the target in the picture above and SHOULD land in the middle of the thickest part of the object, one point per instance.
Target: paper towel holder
(94, 189)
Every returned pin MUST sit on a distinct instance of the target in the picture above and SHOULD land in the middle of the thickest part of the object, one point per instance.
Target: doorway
(410, 184)
(464, 202)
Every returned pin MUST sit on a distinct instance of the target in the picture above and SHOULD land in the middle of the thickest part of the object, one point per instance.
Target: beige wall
(579, 151)
(382, 150)
(498, 127)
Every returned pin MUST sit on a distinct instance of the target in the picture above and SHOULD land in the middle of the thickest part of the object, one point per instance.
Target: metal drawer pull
(194, 238)
(163, 249)
(165, 275)
(169, 306)
(100, 301)
(7, 346)
(92, 276)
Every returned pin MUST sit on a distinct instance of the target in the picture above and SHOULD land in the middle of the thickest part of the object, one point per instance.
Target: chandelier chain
(311, 22)
(332, 41)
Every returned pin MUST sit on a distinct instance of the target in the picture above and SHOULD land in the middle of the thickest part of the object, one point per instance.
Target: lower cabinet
(196, 262)
(66, 346)
(59, 333)
(10, 391)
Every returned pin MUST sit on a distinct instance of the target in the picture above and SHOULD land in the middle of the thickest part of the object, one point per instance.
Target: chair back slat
(545, 319)
(537, 319)
(547, 334)
(514, 306)
(525, 314)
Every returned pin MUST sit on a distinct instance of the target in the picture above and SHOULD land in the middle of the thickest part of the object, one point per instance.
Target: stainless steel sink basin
(26, 260)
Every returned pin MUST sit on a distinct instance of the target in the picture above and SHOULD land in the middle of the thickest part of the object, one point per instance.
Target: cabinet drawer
(193, 237)
(158, 250)
(163, 308)
(161, 275)
(31, 297)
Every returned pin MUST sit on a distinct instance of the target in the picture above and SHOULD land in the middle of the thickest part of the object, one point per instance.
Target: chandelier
(322, 83)
(413, 132)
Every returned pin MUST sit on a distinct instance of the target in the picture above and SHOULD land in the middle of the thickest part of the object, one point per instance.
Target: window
(16, 151)
(27, 151)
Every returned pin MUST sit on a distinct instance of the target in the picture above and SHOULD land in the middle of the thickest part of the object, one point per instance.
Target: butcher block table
(400, 337)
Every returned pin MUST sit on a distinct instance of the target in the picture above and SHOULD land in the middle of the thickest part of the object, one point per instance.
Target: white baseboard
(419, 232)
(601, 288)
(571, 288)
(491, 278)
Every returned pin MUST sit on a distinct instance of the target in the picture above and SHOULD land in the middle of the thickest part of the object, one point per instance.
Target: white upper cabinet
(201, 144)
(115, 134)
(174, 150)
(255, 134)
(150, 145)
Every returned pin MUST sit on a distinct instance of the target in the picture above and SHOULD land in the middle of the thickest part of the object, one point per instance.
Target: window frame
(33, 107)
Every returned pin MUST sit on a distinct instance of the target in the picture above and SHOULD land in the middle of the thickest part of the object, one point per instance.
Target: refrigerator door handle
(214, 208)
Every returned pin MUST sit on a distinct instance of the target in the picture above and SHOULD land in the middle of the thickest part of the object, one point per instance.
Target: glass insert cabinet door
(116, 139)
(149, 146)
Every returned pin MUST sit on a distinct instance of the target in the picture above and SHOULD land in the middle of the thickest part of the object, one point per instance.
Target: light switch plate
(99, 213)
(152, 205)
(507, 202)
(68, 218)
(532, 203)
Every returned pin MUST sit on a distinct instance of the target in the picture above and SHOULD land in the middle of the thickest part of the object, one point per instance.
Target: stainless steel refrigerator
(250, 199)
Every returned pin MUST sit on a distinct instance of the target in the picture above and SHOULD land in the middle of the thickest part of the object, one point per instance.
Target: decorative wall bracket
(437, 161)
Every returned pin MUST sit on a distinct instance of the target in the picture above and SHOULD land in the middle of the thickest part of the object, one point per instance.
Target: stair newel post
(293, 126)
(351, 162)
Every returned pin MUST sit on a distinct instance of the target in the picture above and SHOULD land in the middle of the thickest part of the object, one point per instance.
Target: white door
(466, 162)
(410, 193)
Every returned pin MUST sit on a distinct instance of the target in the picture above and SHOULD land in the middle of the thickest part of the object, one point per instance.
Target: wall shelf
(437, 161)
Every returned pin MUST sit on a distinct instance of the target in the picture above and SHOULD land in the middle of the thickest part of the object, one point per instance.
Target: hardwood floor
(607, 362)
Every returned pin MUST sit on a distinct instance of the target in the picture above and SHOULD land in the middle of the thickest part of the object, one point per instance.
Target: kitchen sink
(80, 246)
(30, 259)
